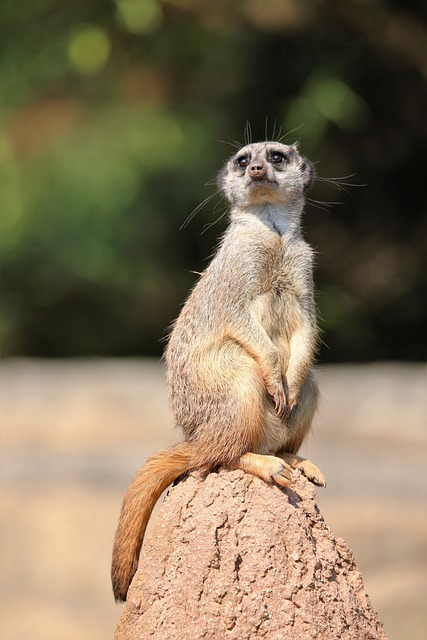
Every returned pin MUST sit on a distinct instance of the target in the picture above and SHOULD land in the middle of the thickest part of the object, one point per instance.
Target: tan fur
(240, 353)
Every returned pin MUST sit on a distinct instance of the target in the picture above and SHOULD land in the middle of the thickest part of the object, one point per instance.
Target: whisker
(218, 204)
(324, 206)
(328, 203)
(247, 133)
(196, 210)
(340, 187)
(274, 130)
(288, 133)
(338, 182)
(232, 143)
(211, 224)
(350, 175)
(314, 204)
(279, 134)
(273, 135)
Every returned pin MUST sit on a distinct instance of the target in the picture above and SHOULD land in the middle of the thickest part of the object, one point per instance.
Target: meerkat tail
(151, 480)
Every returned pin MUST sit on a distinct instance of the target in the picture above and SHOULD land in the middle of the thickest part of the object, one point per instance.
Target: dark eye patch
(278, 157)
(242, 161)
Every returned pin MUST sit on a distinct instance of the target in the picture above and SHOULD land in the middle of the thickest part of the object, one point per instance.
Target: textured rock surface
(231, 557)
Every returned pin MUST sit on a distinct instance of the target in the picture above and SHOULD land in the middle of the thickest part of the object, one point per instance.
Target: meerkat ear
(307, 171)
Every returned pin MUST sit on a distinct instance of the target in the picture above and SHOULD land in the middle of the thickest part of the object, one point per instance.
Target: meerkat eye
(277, 157)
(242, 161)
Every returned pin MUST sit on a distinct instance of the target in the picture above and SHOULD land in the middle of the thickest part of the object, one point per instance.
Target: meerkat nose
(257, 170)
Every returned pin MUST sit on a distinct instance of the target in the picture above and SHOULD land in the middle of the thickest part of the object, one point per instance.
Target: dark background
(113, 113)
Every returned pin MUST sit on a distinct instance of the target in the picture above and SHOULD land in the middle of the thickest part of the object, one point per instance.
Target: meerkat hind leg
(268, 468)
(307, 467)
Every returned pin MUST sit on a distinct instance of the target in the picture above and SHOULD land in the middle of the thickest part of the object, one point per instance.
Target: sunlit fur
(239, 358)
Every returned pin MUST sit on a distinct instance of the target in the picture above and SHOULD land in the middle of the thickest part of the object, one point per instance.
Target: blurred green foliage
(112, 114)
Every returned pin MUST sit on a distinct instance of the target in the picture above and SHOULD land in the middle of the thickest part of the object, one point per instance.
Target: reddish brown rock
(233, 558)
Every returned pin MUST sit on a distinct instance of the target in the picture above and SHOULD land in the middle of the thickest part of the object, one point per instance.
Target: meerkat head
(266, 173)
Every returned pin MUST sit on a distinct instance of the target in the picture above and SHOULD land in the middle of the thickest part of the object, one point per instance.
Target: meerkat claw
(282, 476)
(279, 398)
(312, 473)
(321, 482)
(280, 480)
(280, 408)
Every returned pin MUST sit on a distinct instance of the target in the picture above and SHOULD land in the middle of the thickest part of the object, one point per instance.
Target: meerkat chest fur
(263, 271)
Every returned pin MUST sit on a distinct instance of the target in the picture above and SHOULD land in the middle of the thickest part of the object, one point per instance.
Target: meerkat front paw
(277, 391)
(312, 473)
(278, 472)
(293, 395)
(306, 467)
(268, 468)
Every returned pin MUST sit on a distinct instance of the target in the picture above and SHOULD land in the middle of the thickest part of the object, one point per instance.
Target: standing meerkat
(240, 355)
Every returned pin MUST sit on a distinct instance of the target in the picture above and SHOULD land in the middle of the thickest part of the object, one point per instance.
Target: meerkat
(240, 355)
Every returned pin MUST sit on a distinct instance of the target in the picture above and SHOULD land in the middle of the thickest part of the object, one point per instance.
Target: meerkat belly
(274, 313)
(275, 436)
(238, 392)
(216, 364)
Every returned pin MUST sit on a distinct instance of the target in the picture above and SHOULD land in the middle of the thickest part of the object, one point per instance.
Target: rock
(231, 557)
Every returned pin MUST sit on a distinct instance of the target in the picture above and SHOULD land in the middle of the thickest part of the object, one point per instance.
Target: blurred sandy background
(74, 432)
